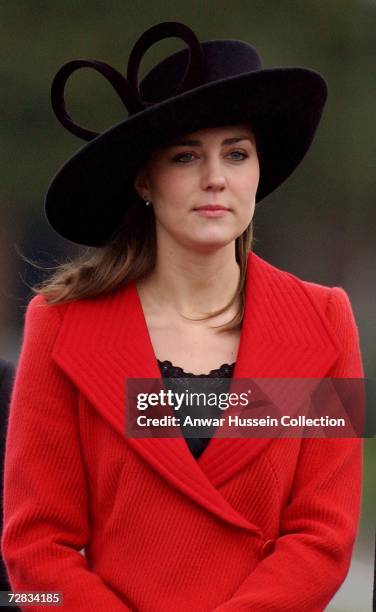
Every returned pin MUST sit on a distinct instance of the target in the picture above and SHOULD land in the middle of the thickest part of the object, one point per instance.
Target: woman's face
(210, 167)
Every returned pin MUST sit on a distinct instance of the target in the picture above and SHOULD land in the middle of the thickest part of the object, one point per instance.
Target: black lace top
(225, 371)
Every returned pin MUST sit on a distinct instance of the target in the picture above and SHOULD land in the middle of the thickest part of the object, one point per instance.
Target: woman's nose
(213, 176)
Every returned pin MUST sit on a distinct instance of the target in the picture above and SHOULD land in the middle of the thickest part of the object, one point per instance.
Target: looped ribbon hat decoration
(206, 84)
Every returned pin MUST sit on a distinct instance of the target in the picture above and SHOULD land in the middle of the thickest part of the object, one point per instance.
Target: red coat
(253, 524)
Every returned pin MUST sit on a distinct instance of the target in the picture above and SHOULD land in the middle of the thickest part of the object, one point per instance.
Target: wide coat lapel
(104, 341)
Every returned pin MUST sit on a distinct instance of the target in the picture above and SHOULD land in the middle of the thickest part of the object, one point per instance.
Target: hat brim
(86, 199)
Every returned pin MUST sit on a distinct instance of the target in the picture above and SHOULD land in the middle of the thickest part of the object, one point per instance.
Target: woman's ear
(141, 184)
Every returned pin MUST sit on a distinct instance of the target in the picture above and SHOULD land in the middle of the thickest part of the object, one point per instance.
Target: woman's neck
(191, 283)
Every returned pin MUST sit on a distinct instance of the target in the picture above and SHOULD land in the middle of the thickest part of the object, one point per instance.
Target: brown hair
(129, 256)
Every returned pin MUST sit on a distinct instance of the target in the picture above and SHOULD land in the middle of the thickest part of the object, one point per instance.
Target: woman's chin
(210, 244)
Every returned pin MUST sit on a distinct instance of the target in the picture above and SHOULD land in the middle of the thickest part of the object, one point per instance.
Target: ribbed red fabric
(255, 524)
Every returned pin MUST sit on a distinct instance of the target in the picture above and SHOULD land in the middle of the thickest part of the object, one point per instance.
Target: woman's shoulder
(332, 301)
(44, 314)
(39, 308)
(333, 307)
(42, 321)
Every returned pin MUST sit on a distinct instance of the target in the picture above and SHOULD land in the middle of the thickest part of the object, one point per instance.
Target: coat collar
(103, 341)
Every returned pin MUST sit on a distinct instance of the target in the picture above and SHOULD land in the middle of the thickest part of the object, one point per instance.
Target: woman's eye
(244, 155)
(179, 157)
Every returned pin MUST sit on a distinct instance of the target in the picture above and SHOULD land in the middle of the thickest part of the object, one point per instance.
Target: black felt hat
(207, 84)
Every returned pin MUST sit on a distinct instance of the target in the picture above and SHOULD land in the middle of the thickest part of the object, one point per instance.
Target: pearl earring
(147, 203)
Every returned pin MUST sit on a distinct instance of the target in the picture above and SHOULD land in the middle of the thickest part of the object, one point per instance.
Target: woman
(171, 286)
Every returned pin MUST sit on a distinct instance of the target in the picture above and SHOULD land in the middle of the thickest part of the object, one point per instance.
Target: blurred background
(320, 224)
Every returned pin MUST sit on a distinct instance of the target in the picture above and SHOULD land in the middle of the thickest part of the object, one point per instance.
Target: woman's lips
(211, 211)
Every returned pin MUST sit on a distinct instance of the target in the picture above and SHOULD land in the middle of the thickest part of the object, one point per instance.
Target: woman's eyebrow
(198, 143)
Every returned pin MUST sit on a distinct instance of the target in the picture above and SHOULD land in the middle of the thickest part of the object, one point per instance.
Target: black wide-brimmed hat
(207, 84)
